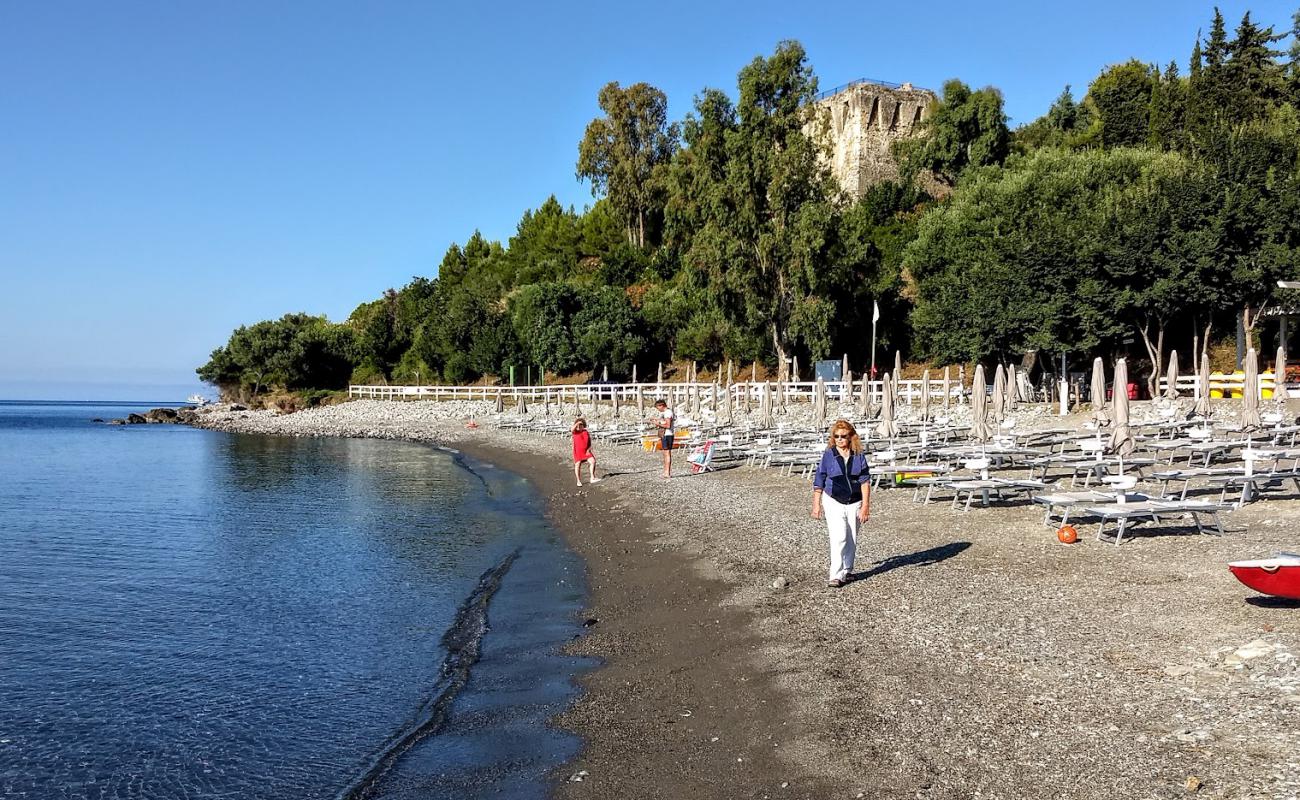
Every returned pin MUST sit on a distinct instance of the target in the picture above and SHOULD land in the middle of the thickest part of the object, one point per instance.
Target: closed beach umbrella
(765, 406)
(925, 396)
(726, 403)
(753, 372)
(794, 370)
(780, 393)
(634, 373)
(521, 407)
(999, 394)
(1279, 374)
(695, 400)
(887, 428)
(819, 402)
(661, 372)
(640, 401)
(864, 399)
(546, 402)
(1099, 392)
(979, 427)
(846, 392)
(947, 388)
(1250, 392)
(898, 367)
(1121, 437)
(1013, 388)
(961, 382)
(615, 397)
(604, 374)
(501, 402)
(1203, 387)
(844, 365)
(731, 376)
(745, 396)
(1171, 377)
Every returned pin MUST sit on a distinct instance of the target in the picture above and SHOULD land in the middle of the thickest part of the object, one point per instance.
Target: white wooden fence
(909, 392)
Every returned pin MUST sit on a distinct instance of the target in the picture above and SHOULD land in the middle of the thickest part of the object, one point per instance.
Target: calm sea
(191, 614)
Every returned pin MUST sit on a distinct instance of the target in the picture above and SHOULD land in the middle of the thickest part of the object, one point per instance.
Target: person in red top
(582, 452)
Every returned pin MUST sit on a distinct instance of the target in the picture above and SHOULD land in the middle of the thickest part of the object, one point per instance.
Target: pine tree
(1168, 109)
(1253, 78)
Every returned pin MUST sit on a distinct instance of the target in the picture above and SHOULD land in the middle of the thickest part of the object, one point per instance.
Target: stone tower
(865, 118)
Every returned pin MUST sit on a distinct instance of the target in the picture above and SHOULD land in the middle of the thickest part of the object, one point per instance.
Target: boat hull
(1276, 578)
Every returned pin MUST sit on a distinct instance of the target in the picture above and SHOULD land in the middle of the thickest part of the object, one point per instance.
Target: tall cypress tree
(1168, 109)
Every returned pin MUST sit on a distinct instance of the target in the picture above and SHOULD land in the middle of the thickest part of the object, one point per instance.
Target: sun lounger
(1067, 501)
(987, 486)
(1154, 510)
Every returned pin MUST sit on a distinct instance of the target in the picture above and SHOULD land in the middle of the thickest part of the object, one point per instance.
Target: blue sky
(173, 170)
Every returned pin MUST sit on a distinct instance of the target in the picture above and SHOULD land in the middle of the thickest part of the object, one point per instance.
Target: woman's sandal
(834, 584)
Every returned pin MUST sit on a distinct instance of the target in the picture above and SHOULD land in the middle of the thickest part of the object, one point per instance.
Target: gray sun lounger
(1154, 510)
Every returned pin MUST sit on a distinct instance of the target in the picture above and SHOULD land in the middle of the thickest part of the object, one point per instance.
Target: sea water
(185, 613)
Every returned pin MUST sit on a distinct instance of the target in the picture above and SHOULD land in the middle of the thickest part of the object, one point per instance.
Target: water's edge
(463, 641)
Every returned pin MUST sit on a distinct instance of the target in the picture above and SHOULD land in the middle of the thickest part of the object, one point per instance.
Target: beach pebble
(780, 582)
(578, 777)
(1192, 784)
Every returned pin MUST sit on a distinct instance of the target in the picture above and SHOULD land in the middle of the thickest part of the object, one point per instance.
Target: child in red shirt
(582, 452)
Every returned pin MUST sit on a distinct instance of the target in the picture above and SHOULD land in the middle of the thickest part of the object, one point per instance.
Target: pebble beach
(973, 656)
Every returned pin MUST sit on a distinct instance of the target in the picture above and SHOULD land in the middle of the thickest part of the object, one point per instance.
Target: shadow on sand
(920, 558)
(1273, 602)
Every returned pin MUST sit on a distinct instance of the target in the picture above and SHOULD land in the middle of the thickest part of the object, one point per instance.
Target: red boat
(1279, 576)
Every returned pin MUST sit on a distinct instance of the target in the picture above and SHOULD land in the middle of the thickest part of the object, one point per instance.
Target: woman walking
(582, 452)
(842, 492)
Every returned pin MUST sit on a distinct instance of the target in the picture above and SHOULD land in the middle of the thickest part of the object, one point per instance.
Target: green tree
(1168, 111)
(1122, 97)
(625, 154)
(964, 129)
(542, 315)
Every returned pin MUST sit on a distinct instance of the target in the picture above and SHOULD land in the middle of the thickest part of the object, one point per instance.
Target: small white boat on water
(197, 399)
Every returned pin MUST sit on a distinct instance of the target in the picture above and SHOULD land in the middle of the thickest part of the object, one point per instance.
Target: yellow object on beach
(1216, 385)
(1266, 383)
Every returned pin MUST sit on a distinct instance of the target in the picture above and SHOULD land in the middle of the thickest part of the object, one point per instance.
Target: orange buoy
(1067, 534)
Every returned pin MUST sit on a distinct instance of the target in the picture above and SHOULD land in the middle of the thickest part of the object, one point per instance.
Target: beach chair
(701, 457)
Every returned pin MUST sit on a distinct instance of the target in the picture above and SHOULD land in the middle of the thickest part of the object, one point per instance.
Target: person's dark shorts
(667, 443)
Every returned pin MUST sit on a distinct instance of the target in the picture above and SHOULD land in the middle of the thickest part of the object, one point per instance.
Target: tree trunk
(1155, 351)
(778, 345)
(640, 219)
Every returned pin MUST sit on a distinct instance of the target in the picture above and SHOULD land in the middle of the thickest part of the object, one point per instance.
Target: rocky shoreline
(976, 656)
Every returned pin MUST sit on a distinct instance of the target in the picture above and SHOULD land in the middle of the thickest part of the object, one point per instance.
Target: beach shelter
(1171, 377)
(979, 427)
(765, 406)
(1203, 387)
(925, 396)
(1121, 436)
(887, 428)
(947, 388)
(999, 394)
(1250, 392)
(521, 407)
(1099, 392)
(501, 402)
(1279, 374)
(819, 402)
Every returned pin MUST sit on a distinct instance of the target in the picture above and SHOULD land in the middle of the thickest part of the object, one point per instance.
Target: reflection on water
(185, 613)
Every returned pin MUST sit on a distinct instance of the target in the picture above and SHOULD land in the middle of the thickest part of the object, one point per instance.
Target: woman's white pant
(842, 525)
